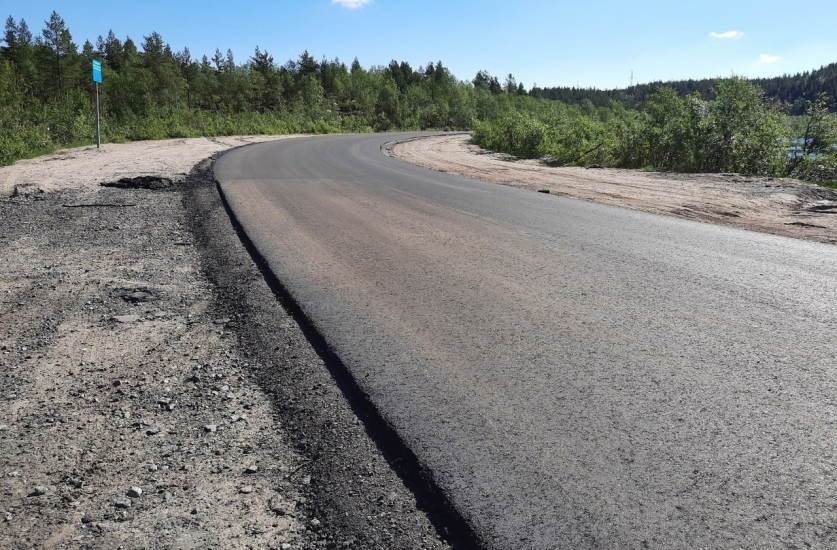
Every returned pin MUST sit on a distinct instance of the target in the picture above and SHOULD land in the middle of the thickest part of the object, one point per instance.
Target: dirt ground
(155, 393)
(779, 206)
(87, 167)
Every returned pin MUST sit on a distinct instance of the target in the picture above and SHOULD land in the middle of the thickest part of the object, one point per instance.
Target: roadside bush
(518, 134)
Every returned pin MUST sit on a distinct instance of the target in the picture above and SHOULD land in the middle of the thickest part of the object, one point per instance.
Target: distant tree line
(152, 92)
(796, 91)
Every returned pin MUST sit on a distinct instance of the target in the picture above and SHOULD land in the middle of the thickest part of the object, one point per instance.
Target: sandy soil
(87, 167)
(779, 206)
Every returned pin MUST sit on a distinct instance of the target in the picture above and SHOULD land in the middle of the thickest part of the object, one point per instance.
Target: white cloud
(764, 58)
(351, 4)
(728, 34)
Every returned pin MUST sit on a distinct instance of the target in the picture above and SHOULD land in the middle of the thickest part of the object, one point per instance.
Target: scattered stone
(152, 431)
(123, 503)
(166, 404)
(210, 428)
(8, 517)
(3, 427)
(306, 480)
(135, 492)
(275, 506)
(247, 489)
(126, 318)
(39, 490)
(135, 295)
(152, 467)
(315, 523)
(117, 383)
(251, 469)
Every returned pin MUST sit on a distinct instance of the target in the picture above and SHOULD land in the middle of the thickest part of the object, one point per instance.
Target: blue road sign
(97, 71)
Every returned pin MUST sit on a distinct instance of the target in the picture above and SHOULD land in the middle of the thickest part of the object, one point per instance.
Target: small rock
(306, 480)
(123, 503)
(135, 492)
(247, 489)
(251, 469)
(152, 431)
(126, 318)
(275, 506)
(8, 517)
(39, 490)
(3, 427)
(194, 511)
(152, 467)
(210, 428)
(286, 546)
(315, 522)
(117, 383)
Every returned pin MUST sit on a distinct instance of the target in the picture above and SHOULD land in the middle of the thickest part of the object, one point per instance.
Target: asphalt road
(576, 375)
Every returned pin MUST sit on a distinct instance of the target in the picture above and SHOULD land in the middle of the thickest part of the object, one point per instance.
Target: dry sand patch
(87, 167)
(771, 205)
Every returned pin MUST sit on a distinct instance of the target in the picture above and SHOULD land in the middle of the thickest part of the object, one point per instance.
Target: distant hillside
(794, 90)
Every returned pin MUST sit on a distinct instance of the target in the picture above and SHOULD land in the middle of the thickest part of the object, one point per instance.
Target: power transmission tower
(632, 78)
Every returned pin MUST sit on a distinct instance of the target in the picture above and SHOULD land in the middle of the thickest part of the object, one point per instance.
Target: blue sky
(594, 43)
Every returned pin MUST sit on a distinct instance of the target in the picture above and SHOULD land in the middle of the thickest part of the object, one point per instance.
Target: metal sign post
(97, 78)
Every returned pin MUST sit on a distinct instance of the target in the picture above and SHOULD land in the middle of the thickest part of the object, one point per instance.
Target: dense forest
(152, 92)
(797, 91)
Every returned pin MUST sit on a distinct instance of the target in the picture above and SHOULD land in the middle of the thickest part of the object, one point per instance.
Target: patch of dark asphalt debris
(140, 182)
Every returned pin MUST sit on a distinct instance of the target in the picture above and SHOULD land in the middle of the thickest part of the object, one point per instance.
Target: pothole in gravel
(140, 182)
(136, 295)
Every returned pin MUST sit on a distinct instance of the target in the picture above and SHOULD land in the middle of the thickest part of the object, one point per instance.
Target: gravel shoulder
(155, 392)
(779, 206)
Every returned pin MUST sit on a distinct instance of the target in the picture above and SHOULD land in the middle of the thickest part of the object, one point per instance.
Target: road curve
(575, 375)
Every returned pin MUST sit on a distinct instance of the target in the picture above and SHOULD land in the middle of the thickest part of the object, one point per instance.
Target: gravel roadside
(155, 393)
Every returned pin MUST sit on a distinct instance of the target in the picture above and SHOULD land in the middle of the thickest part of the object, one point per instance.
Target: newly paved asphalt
(576, 375)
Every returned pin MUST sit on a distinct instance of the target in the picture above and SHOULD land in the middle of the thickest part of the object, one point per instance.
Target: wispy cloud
(764, 58)
(351, 4)
(727, 35)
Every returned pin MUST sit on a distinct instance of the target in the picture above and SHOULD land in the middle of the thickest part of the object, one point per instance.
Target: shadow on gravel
(353, 491)
(141, 182)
